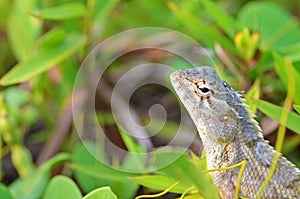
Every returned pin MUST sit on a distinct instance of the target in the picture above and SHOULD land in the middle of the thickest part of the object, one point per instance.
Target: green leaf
(103, 193)
(274, 112)
(278, 29)
(56, 160)
(208, 34)
(43, 61)
(281, 70)
(22, 29)
(61, 12)
(252, 94)
(223, 19)
(297, 107)
(88, 155)
(22, 160)
(51, 38)
(102, 171)
(33, 186)
(4, 193)
(291, 52)
(82, 156)
(290, 144)
(103, 8)
(61, 187)
(174, 163)
(130, 143)
(159, 182)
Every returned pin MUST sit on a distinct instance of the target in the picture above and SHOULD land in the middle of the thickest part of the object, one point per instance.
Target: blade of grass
(281, 131)
(275, 112)
(160, 182)
(224, 20)
(43, 61)
(281, 71)
(208, 34)
(61, 12)
(297, 107)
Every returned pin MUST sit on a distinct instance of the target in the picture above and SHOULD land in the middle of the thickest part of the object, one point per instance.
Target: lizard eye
(204, 90)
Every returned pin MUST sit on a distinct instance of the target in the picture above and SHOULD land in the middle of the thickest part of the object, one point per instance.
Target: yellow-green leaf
(160, 182)
(61, 12)
(274, 112)
(43, 60)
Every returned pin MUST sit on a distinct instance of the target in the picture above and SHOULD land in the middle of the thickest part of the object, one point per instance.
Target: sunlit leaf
(174, 163)
(33, 185)
(281, 70)
(103, 193)
(292, 52)
(4, 193)
(297, 107)
(43, 61)
(290, 144)
(159, 182)
(88, 155)
(61, 12)
(208, 34)
(103, 8)
(67, 189)
(274, 112)
(253, 93)
(277, 29)
(83, 154)
(22, 29)
(222, 18)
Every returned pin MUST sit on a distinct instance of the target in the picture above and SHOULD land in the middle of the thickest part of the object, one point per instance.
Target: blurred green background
(255, 46)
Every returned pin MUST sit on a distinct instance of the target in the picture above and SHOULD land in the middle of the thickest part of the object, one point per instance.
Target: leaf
(130, 143)
(43, 61)
(22, 29)
(22, 160)
(208, 34)
(102, 171)
(290, 144)
(252, 94)
(4, 193)
(33, 185)
(174, 163)
(297, 107)
(88, 156)
(61, 187)
(223, 19)
(278, 29)
(53, 37)
(82, 156)
(281, 70)
(103, 8)
(61, 12)
(291, 52)
(274, 112)
(103, 193)
(159, 182)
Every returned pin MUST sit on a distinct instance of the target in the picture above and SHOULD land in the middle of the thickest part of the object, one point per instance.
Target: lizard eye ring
(203, 90)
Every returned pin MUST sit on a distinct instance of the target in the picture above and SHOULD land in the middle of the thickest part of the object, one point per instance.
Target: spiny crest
(249, 117)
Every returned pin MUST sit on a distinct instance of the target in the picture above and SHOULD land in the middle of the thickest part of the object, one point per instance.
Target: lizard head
(210, 102)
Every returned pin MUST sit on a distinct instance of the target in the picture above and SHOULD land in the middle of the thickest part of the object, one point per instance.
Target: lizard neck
(250, 130)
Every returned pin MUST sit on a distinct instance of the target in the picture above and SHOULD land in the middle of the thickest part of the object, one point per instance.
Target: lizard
(230, 135)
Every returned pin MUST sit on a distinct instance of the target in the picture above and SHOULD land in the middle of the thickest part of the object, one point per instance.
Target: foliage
(43, 44)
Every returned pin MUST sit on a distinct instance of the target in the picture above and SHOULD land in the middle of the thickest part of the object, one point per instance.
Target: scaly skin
(231, 135)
